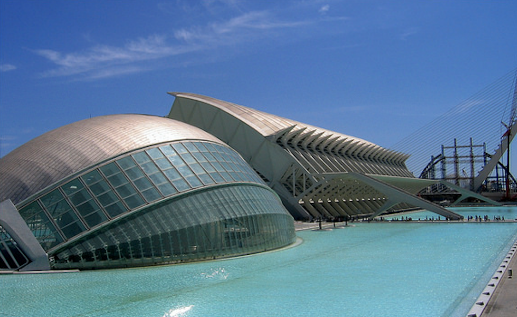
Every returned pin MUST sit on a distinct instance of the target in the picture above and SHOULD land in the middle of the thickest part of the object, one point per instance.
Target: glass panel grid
(207, 162)
(181, 231)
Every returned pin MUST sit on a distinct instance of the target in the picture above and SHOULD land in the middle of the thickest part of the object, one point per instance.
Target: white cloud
(7, 67)
(95, 61)
(103, 61)
(254, 20)
(242, 24)
(324, 9)
(409, 32)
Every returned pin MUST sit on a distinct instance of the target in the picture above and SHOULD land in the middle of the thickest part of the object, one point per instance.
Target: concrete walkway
(503, 302)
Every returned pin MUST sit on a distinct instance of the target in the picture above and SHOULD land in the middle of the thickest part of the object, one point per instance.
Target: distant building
(132, 190)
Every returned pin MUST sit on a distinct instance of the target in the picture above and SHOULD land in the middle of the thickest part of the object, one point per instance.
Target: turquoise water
(368, 269)
(506, 213)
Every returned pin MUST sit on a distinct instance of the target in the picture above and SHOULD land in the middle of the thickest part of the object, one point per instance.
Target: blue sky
(377, 70)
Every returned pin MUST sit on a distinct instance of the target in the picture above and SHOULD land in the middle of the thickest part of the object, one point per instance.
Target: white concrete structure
(317, 173)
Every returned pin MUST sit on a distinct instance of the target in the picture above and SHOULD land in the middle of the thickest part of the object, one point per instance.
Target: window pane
(172, 174)
(125, 190)
(167, 189)
(158, 178)
(72, 187)
(80, 197)
(175, 159)
(197, 168)
(91, 177)
(134, 201)
(126, 162)
(154, 153)
(30, 210)
(199, 157)
(100, 187)
(66, 219)
(167, 150)
(179, 148)
(217, 177)
(141, 157)
(143, 184)
(218, 167)
(117, 180)
(207, 180)
(237, 176)
(200, 146)
(73, 229)
(190, 146)
(227, 166)
(44, 230)
(59, 208)
(163, 163)
(110, 169)
(218, 156)
(87, 208)
(107, 198)
(210, 147)
(151, 194)
(95, 219)
(181, 185)
(149, 168)
(209, 157)
(184, 170)
(134, 173)
(193, 180)
(52, 198)
(227, 177)
(188, 158)
(208, 167)
(115, 209)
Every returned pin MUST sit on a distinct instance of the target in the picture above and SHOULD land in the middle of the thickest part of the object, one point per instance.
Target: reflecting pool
(367, 269)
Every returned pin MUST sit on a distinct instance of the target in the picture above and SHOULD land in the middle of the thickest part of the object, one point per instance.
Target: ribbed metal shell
(265, 123)
(310, 137)
(69, 149)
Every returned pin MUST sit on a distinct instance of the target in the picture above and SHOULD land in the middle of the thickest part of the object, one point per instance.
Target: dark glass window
(52, 198)
(134, 173)
(72, 187)
(99, 188)
(92, 177)
(110, 169)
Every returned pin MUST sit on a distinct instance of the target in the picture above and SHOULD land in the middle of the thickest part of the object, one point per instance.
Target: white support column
(16, 227)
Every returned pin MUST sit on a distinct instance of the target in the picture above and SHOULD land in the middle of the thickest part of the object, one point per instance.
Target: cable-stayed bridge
(468, 145)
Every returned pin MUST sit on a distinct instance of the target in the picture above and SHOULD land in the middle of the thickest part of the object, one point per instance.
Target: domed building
(132, 190)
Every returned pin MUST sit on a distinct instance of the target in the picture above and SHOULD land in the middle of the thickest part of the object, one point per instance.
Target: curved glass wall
(217, 222)
(143, 180)
(129, 183)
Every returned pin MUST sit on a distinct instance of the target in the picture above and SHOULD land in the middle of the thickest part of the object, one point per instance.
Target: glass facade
(11, 256)
(115, 214)
(218, 222)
